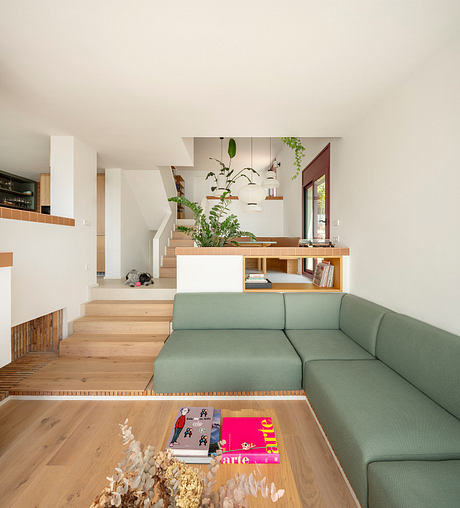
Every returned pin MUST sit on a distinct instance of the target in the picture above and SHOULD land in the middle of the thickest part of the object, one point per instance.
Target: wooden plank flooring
(15, 372)
(58, 453)
(75, 374)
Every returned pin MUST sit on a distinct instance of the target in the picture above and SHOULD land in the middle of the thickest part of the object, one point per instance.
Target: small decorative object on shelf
(150, 479)
(17, 192)
(317, 243)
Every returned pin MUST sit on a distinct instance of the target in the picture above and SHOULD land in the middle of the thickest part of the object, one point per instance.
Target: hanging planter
(226, 177)
(299, 151)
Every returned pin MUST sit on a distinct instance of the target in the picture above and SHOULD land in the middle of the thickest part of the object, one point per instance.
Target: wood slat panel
(39, 335)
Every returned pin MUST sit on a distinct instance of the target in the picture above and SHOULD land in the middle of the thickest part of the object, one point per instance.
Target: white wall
(136, 204)
(268, 222)
(209, 274)
(136, 235)
(291, 189)
(113, 184)
(55, 265)
(62, 177)
(5, 315)
(395, 189)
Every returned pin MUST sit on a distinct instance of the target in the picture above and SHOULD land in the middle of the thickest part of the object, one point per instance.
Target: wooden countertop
(6, 259)
(272, 252)
(267, 198)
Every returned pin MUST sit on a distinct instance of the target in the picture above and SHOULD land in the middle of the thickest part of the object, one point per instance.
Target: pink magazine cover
(249, 441)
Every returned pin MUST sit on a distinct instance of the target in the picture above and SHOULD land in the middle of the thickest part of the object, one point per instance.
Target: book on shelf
(256, 277)
(249, 440)
(324, 274)
(191, 434)
(213, 444)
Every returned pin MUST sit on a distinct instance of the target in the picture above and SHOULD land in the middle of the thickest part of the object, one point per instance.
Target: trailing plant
(215, 230)
(299, 151)
(230, 176)
(150, 479)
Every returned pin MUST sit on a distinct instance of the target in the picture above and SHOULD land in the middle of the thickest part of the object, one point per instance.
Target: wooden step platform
(77, 374)
(169, 261)
(130, 308)
(167, 271)
(181, 243)
(107, 346)
(150, 325)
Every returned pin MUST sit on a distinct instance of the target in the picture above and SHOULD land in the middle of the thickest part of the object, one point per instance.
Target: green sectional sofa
(385, 387)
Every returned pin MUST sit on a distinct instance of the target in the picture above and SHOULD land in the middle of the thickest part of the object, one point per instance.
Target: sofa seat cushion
(370, 414)
(414, 484)
(325, 345)
(227, 361)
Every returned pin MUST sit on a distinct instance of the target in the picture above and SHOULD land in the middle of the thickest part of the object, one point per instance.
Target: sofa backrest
(312, 311)
(428, 357)
(360, 320)
(227, 311)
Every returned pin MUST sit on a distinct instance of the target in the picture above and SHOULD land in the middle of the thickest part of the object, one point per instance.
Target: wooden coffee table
(59, 452)
(280, 474)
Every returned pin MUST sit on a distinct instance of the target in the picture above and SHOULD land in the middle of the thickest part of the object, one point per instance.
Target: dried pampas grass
(149, 479)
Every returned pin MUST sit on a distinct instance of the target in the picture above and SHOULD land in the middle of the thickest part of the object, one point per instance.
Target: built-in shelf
(303, 287)
(294, 287)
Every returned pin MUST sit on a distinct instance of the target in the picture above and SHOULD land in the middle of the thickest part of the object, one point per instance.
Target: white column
(5, 315)
(62, 175)
(113, 190)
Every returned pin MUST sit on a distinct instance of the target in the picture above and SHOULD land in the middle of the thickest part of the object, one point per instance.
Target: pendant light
(252, 195)
(270, 181)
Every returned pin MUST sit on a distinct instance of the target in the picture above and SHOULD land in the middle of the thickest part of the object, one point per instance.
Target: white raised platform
(115, 289)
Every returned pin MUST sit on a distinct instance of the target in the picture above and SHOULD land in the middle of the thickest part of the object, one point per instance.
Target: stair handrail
(161, 241)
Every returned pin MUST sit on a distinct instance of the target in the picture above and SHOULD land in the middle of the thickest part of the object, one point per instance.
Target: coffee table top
(280, 474)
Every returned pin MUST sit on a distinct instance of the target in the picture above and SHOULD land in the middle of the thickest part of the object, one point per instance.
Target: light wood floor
(58, 453)
(77, 374)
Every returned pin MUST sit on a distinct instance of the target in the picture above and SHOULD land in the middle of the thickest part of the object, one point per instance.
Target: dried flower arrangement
(149, 479)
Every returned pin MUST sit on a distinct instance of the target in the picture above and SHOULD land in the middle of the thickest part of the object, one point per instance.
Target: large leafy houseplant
(215, 230)
(226, 176)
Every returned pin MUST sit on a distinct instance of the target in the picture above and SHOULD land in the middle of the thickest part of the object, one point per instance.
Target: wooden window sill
(10, 213)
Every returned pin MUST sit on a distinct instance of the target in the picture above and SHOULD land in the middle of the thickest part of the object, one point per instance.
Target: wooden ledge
(268, 198)
(270, 252)
(9, 213)
(6, 259)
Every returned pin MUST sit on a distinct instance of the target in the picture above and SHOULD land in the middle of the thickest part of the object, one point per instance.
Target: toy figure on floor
(136, 278)
(180, 422)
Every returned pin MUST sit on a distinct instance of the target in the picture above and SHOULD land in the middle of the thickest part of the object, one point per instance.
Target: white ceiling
(134, 78)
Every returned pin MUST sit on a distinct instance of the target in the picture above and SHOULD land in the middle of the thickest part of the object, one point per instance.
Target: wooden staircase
(120, 328)
(168, 267)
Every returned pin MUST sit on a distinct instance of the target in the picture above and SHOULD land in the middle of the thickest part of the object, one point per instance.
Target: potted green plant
(215, 230)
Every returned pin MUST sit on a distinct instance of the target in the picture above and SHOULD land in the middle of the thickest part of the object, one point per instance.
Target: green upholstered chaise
(227, 342)
(385, 387)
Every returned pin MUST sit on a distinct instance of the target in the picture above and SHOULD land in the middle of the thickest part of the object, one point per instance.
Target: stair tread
(84, 338)
(134, 319)
(131, 302)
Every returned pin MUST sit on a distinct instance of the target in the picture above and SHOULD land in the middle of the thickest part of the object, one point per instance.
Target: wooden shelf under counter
(296, 287)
